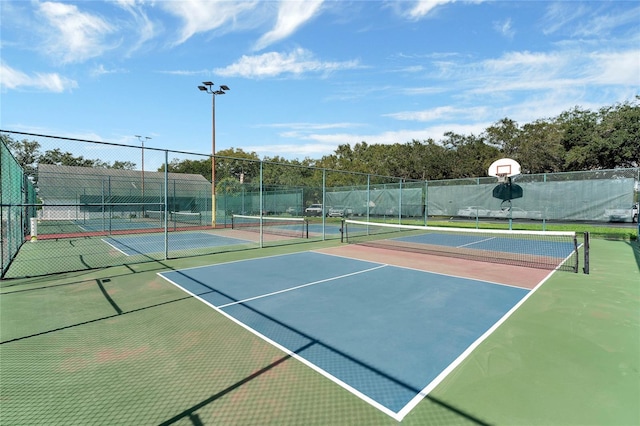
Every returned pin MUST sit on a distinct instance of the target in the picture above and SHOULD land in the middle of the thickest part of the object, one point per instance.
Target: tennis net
(175, 218)
(294, 227)
(534, 249)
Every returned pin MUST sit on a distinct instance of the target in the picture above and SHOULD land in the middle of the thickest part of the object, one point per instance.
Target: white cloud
(615, 68)
(291, 15)
(205, 15)
(439, 113)
(602, 24)
(51, 82)
(422, 8)
(561, 14)
(201, 16)
(505, 28)
(429, 90)
(142, 25)
(202, 72)
(312, 126)
(271, 64)
(559, 70)
(100, 70)
(75, 36)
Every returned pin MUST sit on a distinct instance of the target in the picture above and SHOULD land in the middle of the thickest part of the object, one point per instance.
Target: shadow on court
(105, 313)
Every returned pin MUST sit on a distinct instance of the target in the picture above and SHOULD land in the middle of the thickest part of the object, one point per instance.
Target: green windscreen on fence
(95, 210)
(599, 195)
(17, 190)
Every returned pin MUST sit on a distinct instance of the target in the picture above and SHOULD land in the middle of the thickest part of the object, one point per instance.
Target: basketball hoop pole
(504, 169)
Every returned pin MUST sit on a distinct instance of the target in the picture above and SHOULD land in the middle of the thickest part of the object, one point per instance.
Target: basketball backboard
(504, 168)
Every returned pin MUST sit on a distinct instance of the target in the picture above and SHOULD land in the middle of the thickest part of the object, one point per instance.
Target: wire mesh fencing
(17, 207)
(98, 204)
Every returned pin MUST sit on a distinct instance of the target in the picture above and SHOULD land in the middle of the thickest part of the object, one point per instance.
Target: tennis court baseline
(387, 334)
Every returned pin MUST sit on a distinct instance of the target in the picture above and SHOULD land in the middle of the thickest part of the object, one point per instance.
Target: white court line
(399, 415)
(480, 280)
(477, 242)
(435, 382)
(108, 243)
(301, 286)
(286, 350)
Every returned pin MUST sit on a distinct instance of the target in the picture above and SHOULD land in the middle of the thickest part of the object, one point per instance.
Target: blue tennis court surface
(506, 245)
(317, 228)
(385, 333)
(154, 243)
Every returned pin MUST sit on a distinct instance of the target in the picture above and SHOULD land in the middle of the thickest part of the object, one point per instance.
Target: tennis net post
(587, 238)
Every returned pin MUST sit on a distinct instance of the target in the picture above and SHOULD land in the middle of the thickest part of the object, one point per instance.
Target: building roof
(69, 182)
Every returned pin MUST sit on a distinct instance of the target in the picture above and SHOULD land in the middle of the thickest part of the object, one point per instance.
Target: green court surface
(121, 345)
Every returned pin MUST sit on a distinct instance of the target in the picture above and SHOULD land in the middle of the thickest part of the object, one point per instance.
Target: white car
(340, 211)
(622, 215)
(473, 211)
(314, 210)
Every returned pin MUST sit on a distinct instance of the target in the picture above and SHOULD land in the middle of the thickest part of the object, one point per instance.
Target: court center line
(301, 286)
(477, 242)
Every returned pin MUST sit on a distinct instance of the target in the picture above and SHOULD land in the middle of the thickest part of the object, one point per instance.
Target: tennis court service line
(477, 242)
(301, 286)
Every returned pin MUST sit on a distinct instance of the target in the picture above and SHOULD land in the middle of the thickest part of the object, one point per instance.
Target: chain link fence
(587, 196)
(17, 201)
(97, 204)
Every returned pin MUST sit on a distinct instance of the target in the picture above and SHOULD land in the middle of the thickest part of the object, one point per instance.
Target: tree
(578, 137)
(196, 167)
(504, 135)
(617, 142)
(540, 148)
(59, 158)
(123, 165)
(471, 155)
(25, 152)
(236, 163)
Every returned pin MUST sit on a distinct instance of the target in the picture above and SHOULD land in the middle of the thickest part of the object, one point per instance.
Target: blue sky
(307, 76)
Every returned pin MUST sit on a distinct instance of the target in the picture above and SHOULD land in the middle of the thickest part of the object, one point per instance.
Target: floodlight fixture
(208, 88)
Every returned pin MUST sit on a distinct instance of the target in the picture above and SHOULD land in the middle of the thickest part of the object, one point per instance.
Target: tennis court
(123, 345)
(131, 245)
(386, 333)
(433, 328)
(286, 226)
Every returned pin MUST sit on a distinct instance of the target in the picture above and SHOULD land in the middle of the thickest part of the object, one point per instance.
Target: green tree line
(575, 140)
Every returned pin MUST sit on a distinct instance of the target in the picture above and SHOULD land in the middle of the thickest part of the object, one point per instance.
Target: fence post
(166, 205)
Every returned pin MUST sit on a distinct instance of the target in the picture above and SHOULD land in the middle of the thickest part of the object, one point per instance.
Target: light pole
(208, 88)
(142, 139)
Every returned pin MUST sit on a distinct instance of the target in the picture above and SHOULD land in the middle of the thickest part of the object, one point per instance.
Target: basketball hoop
(504, 169)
